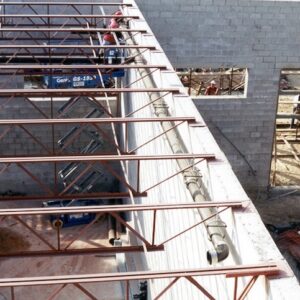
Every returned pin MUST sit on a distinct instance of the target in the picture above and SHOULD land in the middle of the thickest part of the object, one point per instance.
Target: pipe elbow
(218, 254)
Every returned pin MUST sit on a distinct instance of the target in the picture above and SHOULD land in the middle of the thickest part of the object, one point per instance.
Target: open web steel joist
(73, 125)
(64, 247)
(236, 272)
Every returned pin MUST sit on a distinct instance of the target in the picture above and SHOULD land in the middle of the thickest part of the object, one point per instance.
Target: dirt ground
(15, 237)
(281, 208)
(285, 167)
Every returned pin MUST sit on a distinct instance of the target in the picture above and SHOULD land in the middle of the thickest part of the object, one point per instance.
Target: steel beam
(112, 210)
(119, 208)
(80, 67)
(79, 16)
(78, 196)
(72, 3)
(94, 121)
(68, 29)
(83, 251)
(24, 46)
(267, 269)
(105, 158)
(80, 92)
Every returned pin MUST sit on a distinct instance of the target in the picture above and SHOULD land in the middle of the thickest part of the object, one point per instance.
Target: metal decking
(46, 41)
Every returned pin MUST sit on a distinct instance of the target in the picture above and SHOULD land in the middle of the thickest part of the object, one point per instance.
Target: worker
(118, 13)
(111, 38)
(108, 39)
(115, 24)
(212, 89)
(296, 109)
(185, 80)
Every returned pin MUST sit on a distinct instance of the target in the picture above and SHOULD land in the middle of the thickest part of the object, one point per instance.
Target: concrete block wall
(18, 143)
(258, 35)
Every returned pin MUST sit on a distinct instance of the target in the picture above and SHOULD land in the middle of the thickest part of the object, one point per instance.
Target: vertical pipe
(111, 224)
(58, 237)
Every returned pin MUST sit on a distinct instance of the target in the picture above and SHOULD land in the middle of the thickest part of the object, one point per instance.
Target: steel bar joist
(35, 53)
(50, 7)
(35, 69)
(193, 276)
(92, 92)
(65, 20)
(95, 120)
(30, 126)
(25, 216)
(75, 30)
(92, 162)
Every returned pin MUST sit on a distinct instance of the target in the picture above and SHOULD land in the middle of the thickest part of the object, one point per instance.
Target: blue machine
(80, 81)
(68, 220)
(111, 56)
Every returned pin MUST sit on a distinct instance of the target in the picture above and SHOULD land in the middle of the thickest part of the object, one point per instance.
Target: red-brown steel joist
(63, 246)
(68, 29)
(78, 196)
(61, 3)
(64, 70)
(89, 162)
(268, 269)
(51, 16)
(94, 120)
(42, 46)
(191, 275)
(44, 20)
(105, 158)
(93, 92)
(120, 208)
(80, 67)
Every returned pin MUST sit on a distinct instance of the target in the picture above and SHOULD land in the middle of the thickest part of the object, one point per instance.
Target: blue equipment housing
(68, 220)
(111, 56)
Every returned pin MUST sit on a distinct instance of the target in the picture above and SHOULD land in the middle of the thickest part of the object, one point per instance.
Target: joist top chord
(68, 29)
(115, 208)
(270, 268)
(74, 3)
(95, 120)
(63, 159)
(76, 67)
(150, 47)
(80, 92)
(68, 16)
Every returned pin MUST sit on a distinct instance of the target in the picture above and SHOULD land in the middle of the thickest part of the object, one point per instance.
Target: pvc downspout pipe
(215, 226)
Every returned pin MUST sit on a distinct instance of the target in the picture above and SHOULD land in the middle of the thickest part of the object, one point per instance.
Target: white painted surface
(251, 241)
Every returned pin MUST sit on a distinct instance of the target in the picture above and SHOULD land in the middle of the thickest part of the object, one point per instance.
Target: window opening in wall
(210, 82)
(286, 146)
